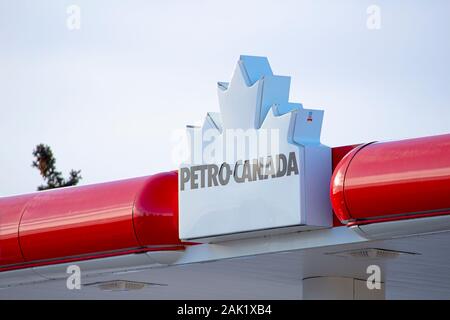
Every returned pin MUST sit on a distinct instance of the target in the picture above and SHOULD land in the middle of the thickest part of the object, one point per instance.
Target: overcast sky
(108, 97)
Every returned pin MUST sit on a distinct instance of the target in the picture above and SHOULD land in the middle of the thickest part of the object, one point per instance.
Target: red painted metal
(86, 257)
(11, 209)
(154, 210)
(393, 180)
(88, 221)
(337, 154)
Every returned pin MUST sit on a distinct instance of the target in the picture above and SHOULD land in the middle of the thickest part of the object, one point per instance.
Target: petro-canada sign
(257, 167)
(212, 175)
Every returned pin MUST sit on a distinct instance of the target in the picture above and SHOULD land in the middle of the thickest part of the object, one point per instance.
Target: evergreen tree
(45, 163)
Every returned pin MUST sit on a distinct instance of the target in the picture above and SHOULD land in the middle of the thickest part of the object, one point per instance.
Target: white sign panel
(258, 167)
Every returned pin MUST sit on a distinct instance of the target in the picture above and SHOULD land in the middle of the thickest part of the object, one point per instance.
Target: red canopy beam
(87, 222)
(396, 180)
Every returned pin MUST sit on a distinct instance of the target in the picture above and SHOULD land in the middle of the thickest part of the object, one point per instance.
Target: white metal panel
(405, 227)
(294, 200)
(273, 269)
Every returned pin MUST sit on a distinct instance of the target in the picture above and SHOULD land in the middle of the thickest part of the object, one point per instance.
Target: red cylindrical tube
(113, 218)
(393, 180)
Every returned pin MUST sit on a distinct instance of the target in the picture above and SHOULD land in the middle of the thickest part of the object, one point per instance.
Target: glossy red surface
(337, 154)
(393, 180)
(153, 216)
(10, 213)
(93, 220)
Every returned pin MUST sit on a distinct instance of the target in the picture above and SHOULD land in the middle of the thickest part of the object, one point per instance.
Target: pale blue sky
(107, 97)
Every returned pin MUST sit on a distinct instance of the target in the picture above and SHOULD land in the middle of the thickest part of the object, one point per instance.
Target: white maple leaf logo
(255, 103)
